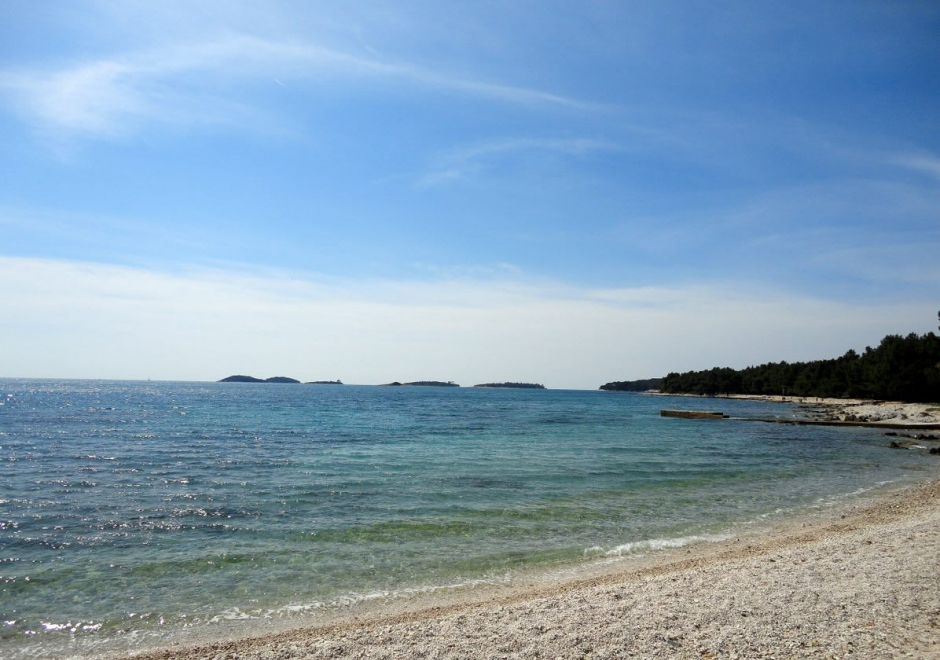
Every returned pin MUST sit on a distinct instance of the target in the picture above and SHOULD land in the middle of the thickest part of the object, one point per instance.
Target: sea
(132, 513)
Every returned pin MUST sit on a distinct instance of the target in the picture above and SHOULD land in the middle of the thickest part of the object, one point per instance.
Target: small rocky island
(423, 383)
(238, 378)
(324, 382)
(518, 386)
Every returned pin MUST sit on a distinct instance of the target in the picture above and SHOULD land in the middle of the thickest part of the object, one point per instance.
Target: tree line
(899, 368)
(633, 385)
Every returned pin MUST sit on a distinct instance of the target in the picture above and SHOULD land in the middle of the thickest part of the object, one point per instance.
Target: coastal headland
(857, 579)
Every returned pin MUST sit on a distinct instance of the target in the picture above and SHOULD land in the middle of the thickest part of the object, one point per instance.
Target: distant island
(423, 383)
(238, 378)
(518, 386)
(633, 385)
(324, 382)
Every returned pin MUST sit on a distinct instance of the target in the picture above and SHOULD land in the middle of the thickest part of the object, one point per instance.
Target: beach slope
(862, 581)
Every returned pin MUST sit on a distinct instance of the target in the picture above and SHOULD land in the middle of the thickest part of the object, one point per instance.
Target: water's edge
(136, 515)
(437, 600)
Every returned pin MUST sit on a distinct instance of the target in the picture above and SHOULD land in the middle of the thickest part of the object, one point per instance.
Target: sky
(560, 192)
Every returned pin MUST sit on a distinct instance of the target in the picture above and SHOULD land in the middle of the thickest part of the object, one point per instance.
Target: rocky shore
(852, 410)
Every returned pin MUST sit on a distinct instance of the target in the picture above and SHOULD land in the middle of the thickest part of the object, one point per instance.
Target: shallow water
(131, 510)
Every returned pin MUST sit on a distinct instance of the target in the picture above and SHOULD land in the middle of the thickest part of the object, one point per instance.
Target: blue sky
(512, 175)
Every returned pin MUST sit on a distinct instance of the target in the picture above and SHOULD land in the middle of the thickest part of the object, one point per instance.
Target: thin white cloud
(920, 162)
(906, 264)
(460, 163)
(200, 83)
(70, 319)
(805, 219)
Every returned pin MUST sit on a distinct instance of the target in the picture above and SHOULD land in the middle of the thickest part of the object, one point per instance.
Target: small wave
(232, 614)
(78, 626)
(351, 599)
(652, 545)
(775, 512)
(354, 598)
(762, 518)
(826, 501)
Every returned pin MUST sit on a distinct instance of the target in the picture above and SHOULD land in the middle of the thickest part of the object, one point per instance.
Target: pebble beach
(860, 580)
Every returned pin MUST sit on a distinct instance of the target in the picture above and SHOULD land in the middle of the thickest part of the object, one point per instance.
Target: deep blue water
(128, 510)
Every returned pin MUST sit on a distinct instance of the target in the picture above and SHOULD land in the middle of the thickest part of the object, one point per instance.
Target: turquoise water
(129, 510)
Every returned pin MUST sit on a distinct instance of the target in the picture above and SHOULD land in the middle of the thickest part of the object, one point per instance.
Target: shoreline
(858, 576)
(850, 412)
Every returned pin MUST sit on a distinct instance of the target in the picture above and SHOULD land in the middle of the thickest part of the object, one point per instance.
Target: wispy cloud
(89, 231)
(873, 236)
(920, 162)
(459, 163)
(76, 319)
(201, 83)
